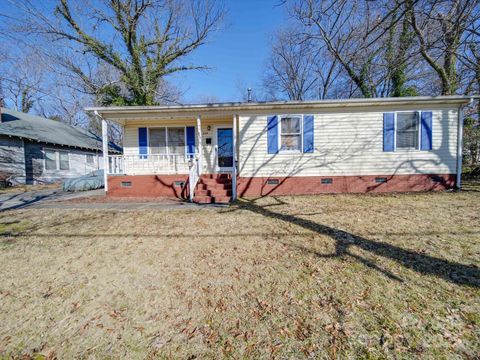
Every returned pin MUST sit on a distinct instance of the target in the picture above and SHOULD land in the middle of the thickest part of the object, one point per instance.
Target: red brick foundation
(304, 185)
(164, 185)
(148, 186)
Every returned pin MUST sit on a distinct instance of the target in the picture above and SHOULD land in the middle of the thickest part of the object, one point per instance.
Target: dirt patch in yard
(334, 276)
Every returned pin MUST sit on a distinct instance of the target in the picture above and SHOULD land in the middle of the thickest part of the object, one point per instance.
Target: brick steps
(213, 189)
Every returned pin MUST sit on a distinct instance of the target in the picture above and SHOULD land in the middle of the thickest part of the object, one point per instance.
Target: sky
(236, 54)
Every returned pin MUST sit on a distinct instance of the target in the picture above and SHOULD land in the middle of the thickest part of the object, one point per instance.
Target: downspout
(234, 145)
(104, 149)
(458, 182)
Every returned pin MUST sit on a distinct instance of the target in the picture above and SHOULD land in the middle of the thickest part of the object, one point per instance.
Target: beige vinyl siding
(349, 143)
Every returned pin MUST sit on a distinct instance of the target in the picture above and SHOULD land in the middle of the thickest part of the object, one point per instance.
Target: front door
(224, 149)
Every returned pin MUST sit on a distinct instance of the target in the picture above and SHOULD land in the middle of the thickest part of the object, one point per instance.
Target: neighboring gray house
(37, 150)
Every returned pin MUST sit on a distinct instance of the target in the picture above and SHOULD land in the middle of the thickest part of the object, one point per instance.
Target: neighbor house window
(167, 140)
(290, 133)
(50, 160)
(55, 160)
(90, 159)
(64, 160)
(407, 130)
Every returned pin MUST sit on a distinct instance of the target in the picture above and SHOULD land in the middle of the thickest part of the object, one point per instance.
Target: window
(290, 133)
(50, 160)
(90, 158)
(158, 141)
(64, 161)
(176, 141)
(126, 184)
(55, 160)
(169, 140)
(407, 130)
(327, 181)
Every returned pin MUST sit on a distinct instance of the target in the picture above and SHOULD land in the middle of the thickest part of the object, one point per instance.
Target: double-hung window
(90, 159)
(407, 130)
(50, 160)
(64, 161)
(291, 133)
(167, 140)
(56, 160)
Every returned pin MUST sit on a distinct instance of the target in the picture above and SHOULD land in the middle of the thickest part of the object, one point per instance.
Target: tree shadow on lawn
(424, 264)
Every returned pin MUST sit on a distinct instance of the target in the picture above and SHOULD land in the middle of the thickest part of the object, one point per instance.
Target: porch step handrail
(193, 177)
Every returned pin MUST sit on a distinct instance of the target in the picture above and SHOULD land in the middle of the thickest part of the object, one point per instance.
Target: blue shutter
(308, 144)
(388, 132)
(142, 143)
(272, 134)
(191, 140)
(426, 131)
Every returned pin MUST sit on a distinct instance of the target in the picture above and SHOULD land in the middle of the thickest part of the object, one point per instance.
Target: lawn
(345, 276)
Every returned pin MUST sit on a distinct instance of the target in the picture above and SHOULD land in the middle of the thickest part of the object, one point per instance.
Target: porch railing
(193, 177)
(164, 164)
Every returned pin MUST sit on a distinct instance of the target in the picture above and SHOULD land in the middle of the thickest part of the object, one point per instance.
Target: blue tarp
(91, 181)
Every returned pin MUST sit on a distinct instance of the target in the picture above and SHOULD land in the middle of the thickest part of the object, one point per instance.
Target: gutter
(235, 107)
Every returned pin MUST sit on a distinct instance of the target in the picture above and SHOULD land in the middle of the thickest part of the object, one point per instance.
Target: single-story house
(212, 152)
(38, 150)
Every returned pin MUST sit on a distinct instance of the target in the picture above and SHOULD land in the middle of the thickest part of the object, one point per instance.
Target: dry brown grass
(392, 276)
(25, 188)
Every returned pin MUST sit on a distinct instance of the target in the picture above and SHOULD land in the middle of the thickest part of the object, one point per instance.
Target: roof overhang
(121, 113)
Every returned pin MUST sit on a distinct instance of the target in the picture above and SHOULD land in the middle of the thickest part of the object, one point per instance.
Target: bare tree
(22, 80)
(441, 27)
(346, 28)
(290, 68)
(143, 40)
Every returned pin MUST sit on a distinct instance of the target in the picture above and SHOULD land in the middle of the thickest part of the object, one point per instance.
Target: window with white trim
(167, 140)
(290, 133)
(407, 130)
(89, 158)
(50, 160)
(64, 160)
(56, 160)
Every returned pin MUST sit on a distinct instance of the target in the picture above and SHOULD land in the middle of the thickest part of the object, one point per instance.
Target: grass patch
(335, 276)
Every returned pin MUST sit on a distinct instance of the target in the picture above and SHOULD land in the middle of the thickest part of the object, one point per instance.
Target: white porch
(157, 164)
(204, 158)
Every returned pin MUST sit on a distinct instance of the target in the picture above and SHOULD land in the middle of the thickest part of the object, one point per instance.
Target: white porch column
(200, 144)
(234, 172)
(105, 151)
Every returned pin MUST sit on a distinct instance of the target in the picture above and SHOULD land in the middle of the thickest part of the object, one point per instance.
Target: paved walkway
(57, 199)
(18, 200)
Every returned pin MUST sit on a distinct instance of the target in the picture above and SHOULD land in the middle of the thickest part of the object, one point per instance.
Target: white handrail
(193, 177)
(148, 164)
